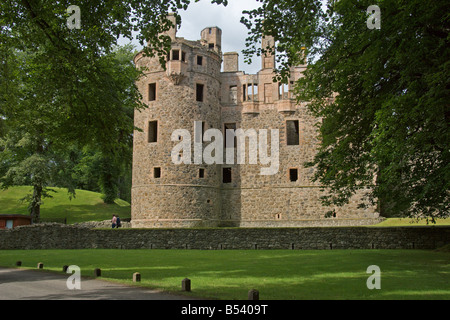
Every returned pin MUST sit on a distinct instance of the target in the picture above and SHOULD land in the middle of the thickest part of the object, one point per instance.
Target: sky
(204, 14)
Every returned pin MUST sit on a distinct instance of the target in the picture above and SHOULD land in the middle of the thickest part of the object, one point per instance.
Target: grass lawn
(277, 274)
(86, 206)
(398, 222)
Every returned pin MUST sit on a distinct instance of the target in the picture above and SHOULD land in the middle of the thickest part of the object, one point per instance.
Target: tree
(388, 121)
(64, 87)
(34, 149)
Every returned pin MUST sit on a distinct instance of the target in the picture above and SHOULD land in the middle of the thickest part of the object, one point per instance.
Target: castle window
(293, 174)
(211, 46)
(292, 132)
(226, 175)
(229, 126)
(152, 92)
(244, 92)
(283, 91)
(199, 60)
(183, 56)
(156, 173)
(175, 54)
(199, 92)
(233, 94)
(153, 131)
(201, 173)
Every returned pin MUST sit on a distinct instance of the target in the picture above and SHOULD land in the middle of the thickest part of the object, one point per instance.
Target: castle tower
(177, 189)
(164, 193)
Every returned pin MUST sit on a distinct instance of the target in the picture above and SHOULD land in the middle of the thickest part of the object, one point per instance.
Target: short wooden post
(253, 295)
(136, 277)
(40, 265)
(18, 263)
(98, 272)
(65, 267)
(186, 285)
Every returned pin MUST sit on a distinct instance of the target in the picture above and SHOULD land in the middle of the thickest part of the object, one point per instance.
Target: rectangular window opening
(152, 92)
(226, 175)
(199, 92)
(153, 131)
(175, 54)
(183, 56)
(211, 46)
(229, 126)
(201, 173)
(156, 173)
(233, 94)
(293, 175)
(292, 132)
(199, 60)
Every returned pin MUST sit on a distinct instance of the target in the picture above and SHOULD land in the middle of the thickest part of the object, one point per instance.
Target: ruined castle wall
(178, 196)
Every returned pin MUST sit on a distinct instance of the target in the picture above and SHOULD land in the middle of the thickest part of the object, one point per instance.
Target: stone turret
(164, 193)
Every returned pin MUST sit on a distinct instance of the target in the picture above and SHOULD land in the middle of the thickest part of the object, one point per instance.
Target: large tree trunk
(35, 205)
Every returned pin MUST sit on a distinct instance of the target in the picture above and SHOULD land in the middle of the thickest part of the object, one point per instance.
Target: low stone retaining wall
(55, 236)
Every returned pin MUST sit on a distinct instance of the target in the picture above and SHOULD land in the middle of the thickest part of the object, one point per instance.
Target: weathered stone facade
(193, 88)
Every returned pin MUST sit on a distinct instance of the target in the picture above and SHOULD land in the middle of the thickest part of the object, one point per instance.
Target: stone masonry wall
(55, 236)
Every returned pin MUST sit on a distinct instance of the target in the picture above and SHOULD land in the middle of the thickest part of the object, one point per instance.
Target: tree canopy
(387, 124)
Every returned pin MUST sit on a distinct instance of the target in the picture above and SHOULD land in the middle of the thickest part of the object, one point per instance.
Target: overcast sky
(204, 14)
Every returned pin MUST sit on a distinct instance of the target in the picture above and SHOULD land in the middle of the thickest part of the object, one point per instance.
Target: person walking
(118, 224)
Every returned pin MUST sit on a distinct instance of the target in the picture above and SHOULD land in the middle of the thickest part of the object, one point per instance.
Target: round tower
(164, 193)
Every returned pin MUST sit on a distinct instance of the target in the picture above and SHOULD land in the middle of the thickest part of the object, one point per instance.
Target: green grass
(86, 206)
(398, 222)
(277, 274)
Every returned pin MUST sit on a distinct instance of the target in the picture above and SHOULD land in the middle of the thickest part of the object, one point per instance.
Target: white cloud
(204, 14)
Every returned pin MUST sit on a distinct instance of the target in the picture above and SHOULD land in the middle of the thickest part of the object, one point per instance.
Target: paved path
(23, 284)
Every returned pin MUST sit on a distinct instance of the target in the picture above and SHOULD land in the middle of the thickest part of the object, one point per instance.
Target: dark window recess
(211, 46)
(293, 175)
(200, 60)
(183, 56)
(226, 175)
(153, 131)
(201, 173)
(156, 173)
(199, 92)
(176, 55)
(229, 126)
(292, 132)
(152, 92)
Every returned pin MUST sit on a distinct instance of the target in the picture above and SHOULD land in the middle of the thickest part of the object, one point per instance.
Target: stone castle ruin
(202, 89)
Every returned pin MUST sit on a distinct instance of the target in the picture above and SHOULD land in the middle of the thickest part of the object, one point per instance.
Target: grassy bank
(277, 274)
(86, 205)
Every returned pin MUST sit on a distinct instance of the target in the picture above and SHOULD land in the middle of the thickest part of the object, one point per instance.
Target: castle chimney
(230, 62)
(172, 33)
(268, 59)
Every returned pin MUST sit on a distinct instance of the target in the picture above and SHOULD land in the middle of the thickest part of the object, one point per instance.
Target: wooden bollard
(65, 267)
(18, 263)
(98, 272)
(40, 265)
(253, 295)
(186, 285)
(136, 277)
